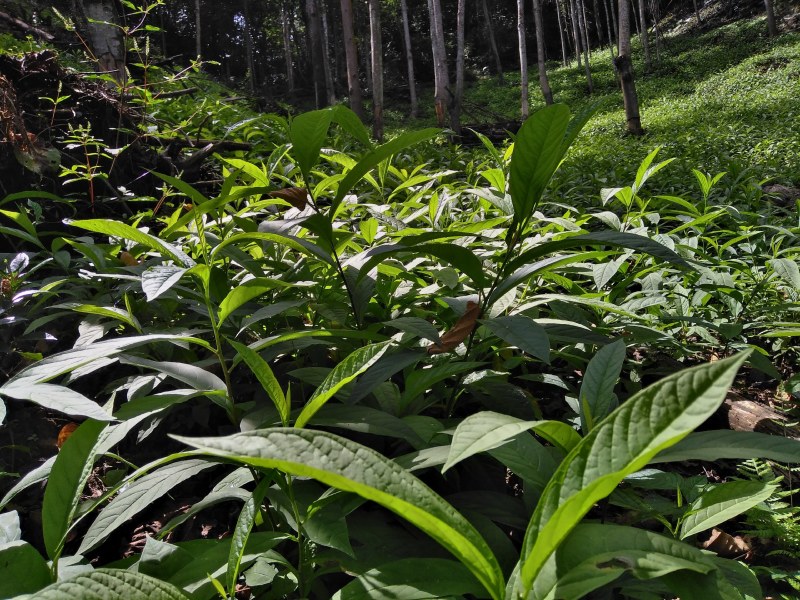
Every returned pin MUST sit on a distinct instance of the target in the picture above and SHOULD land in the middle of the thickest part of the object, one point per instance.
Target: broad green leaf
(376, 156)
(351, 467)
(349, 121)
(192, 375)
(595, 554)
(64, 362)
(197, 198)
(121, 230)
(787, 270)
(9, 527)
(22, 569)
(733, 445)
(55, 397)
(103, 584)
(244, 525)
(541, 266)
(300, 245)
(723, 502)
(416, 326)
(532, 461)
(364, 419)
(243, 293)
(537, 153)
(33, 477)
(522, 332)
(110, 312)
(461, 258)
(65, 485)
(346, 371)
(137, 496)
(307, 133)
(266, 378)
(412, 579)
(160, 278)
(487, 430)
(596, 396)
(624, 442)
(422, 379)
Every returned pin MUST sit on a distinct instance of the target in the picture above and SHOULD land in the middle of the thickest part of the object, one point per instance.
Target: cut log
(747, 415)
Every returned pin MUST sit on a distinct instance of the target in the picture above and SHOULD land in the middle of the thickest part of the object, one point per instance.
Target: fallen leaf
(459, 332)
(728, 546)
(296, 196)
(64, 433)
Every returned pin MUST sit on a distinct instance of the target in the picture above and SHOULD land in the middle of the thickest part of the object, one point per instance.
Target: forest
(399, 299)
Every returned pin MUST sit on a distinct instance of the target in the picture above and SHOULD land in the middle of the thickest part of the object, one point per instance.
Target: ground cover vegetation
(320, 366)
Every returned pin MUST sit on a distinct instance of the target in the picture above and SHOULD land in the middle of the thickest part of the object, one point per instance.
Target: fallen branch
(41, 34)
(219, 145)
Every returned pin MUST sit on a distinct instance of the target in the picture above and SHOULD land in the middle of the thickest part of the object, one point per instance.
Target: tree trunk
(287, 46)
(643, 36)
(625, 71)
(523, 58)
(544, 84)
(613, 18)
(655, 14)
(376, 54)
(771, 25)
(576, 34)
(412, 82)
(326, 55)
(441, 76)
(561, 34)
(106, 40)
(316, 55)
(608, 29)
(584, 30)
(697, 14)
(248, 45)
(597, 25)
(455, 114)
(487, 19)
(351, 58)
(198, 30)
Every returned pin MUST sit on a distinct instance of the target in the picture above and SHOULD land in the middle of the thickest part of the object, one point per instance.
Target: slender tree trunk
(440, 72)
(455, 113)
(597, 24)
(576, 34)
(697, 14)
(523, 58)
(584, 29)
(287, 46)
(625, 71)
(608, 29)
(544, 84)
(376, 53)
(248, 46)
(655, 14)
(316, 55)
(487, 19)
(198, 30)
(612, 15)
(564, 60)
(326, 62)
(351, 58)
(771, 24)
(643, 36)
(412, 82)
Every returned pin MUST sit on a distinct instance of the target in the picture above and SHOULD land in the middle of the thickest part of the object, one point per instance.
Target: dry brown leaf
(296, 196)
(128, 259)
(728, 546)
(459, 332)
(64, 433)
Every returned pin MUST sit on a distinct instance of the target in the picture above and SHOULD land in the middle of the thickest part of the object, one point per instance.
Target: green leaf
(416, 326)
(137, 496)
(537, 153)
(487, 430)
(412, 579)
(245, 292)
(733, 445)
(307, 134)
(595, 554)
(349, 121)
(651, 420)
(244, 525)
(787, 269)
(55, 397)
(351, 467)
(102, 584)
(22, 569)
(300, 245)
(522, 332)
(378, 155)
(266, 378)
(65, 485)
(158, 279)
(346, 371)
(723, 502)
(461, 258)
(192, 375)
(596, 396)
(121, 230)
(33, 477)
